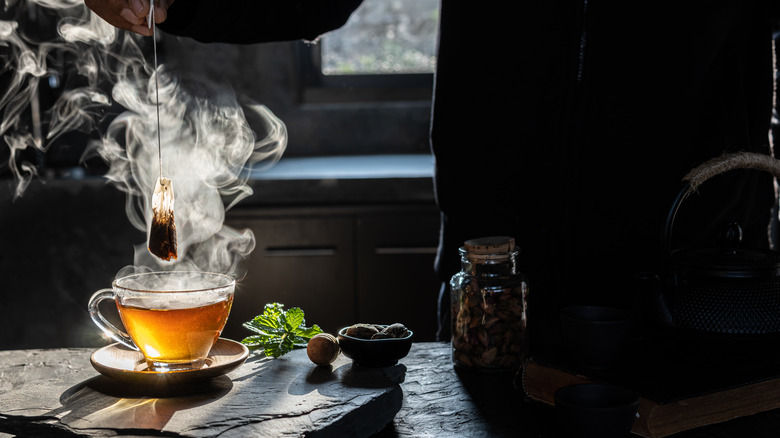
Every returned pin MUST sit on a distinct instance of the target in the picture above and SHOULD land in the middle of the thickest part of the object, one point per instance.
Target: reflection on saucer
(121, 363)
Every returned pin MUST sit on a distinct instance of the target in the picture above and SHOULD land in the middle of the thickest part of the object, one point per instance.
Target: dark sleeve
(256, 21)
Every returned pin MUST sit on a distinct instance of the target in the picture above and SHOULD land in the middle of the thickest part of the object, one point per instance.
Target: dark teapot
(721, 291)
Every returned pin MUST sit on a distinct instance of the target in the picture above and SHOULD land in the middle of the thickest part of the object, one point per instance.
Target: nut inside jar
(489, 327)
(489, 299)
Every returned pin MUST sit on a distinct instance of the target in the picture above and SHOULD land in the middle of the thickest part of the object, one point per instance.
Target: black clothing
(569, 125)
(250, 22)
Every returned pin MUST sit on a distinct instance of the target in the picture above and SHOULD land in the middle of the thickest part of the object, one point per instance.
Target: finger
(160, 14)
(142, 29)
(130, 17)
(161, 10)
(115, 13)
(140, 8)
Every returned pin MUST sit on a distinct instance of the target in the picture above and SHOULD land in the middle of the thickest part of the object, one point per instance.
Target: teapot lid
(728, 262)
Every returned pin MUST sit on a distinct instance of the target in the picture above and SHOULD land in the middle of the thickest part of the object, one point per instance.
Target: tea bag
(162, 234)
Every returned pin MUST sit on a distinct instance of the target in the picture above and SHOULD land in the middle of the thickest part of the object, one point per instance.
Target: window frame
(319, 88)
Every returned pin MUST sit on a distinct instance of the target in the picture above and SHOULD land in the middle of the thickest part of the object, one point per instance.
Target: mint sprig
(279, 331)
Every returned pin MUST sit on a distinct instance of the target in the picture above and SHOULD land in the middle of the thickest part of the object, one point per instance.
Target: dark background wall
(59, 243)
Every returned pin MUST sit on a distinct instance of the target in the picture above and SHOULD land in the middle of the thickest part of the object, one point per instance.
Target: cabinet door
(299, 262)
(396, 280)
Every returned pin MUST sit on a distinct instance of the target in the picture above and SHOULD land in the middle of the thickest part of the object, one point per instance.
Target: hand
(130, 14)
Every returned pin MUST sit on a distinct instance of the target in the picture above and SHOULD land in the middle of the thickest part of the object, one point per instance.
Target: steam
(210, 137)
(207, 144)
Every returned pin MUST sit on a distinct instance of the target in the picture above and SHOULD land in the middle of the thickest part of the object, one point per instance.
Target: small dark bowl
(595, 410)
(595, 337)
(374, 352)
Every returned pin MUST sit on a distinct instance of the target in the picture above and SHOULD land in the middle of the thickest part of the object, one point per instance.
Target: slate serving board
(47, 392)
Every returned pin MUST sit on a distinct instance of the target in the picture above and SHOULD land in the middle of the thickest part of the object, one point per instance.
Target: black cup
(595, 337)
(594, 410)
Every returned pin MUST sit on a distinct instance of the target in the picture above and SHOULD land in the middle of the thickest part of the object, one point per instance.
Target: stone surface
(56, 391)
(440, 401)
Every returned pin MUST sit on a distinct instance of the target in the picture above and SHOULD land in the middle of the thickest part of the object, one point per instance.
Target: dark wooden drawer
(396, 280)
(300, 262)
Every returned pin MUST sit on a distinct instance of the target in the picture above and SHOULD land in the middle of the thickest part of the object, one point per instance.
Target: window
(385, 52)
(384, 37)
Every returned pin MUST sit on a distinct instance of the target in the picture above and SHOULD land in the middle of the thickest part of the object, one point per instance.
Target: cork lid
(490, 245)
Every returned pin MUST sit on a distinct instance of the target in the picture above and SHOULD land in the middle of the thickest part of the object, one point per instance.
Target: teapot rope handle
(716, 166)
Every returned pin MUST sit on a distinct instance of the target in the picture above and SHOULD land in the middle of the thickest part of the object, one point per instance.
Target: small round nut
(323, 349)
(362, 331)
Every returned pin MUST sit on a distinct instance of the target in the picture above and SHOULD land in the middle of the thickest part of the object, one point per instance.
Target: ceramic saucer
(121, 363)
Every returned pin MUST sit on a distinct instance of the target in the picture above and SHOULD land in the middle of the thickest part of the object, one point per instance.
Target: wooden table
(57, 392)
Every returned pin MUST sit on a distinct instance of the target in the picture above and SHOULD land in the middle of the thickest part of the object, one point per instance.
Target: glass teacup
(173, 318)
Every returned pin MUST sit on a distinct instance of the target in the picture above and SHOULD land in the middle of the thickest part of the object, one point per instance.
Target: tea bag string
(153, 26)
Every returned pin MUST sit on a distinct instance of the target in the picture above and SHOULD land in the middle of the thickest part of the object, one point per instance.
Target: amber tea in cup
(172, 318)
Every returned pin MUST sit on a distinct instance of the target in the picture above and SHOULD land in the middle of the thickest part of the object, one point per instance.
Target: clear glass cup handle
(100, 321)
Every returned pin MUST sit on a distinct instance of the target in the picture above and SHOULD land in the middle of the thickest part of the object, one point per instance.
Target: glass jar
(489, 304)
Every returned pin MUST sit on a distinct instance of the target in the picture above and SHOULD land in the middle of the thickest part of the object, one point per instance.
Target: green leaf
(308, 332)
(264, 324)
(293, 319)
(279, 331)
(253, 341)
